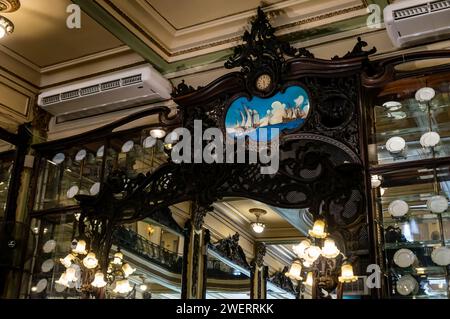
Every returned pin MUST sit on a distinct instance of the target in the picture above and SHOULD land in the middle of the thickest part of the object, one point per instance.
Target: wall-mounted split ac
(103, 94)
(412, 22)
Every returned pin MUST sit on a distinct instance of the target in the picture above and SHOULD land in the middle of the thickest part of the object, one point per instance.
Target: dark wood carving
(358, 51)
(230, 248)
(279, 278)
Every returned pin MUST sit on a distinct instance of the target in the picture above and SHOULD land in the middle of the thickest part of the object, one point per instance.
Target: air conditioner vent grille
(50, 99)
(90, 90)
(110, 85)
(410, 12)
(132, 79)
(439, 5)
(70, 95)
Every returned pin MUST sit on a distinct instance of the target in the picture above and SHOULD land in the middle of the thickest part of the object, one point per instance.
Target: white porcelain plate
(441, 256)
(395, 144)
(404, 258)
(101, 151)
(80, 155)
(398, 208)
(425, 94)
(58, 158)
(149, 141)
(437, 204)
(406, 285)
(127, 146)
(73, 191)
(47, 265)
(95, 188)
(41, 285)
(399, 115)
(49, 246)
(392, 105)
(430, 139)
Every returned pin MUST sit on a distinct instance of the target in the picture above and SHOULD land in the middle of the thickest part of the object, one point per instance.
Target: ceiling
(41, 37)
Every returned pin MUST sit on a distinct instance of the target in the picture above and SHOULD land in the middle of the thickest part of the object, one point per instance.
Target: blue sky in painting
(263, 105)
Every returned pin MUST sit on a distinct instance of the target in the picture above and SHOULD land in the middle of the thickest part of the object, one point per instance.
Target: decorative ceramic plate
(437, 204)
(392, 105)
(41, 285)
(171, 138)
(441, 256)
(47, 265)
(49, 246)
(398, 208)
(101, 151)
(80, 155)
(73, 191)
(60, 288)
(406, 285)
(395, 144)
(149, 142)
(58, 158)
(95, 188)
(430, 139)
(425, 94)
(397, 115)
(404, 258)
(127, 146)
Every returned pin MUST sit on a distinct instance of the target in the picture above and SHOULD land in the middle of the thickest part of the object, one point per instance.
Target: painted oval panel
(285, 110)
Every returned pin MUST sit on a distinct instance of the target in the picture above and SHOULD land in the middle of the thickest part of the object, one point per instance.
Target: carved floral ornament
(9, 5)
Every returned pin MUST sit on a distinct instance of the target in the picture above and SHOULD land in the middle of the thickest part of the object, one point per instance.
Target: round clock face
(263, 82)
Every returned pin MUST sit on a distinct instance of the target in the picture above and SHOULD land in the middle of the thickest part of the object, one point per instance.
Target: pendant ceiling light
(258, 227)
(6, 27)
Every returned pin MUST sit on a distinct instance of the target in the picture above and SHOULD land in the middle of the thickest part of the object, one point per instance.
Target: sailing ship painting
(285, 110)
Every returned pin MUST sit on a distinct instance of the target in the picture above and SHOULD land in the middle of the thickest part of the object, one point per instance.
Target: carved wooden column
(196, 242)
(258, 273)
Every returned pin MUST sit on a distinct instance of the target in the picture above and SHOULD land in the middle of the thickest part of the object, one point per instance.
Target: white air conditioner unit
(412, 22)
(103, 94)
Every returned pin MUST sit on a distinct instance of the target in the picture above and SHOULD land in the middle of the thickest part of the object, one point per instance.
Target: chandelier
(320, 259)
(83, 272)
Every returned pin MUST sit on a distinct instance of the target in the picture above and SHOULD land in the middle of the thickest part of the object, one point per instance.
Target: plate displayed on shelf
(41, 285)
(407, 285)
(430, 139)
(95, 188)
(398, 208)
(49, 246)
(397, 115)
(149, 142)
(58, 158)
(425, 94)
(47, 265)
(101, 151)
(127, 146)
(73, 191)
(437, 204)
(404, 258)
(392, 105)
(441, 256)
(80, 155)
(395, 144)
(59, 287)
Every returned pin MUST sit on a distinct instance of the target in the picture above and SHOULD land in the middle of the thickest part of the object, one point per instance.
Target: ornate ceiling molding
(9, 5)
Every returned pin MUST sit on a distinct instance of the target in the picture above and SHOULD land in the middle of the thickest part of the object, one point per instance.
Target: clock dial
(263, 82)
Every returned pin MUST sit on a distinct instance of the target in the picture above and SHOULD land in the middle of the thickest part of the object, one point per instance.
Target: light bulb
(347, 274)
(318, 230)
(258, 227)
(2, 32)
(123, 287)
(99, 280)
(128, 270)
(63, 280)
(295, 271)
(329, 249)
(90, 261)
(301, 247)
(80, 248)
(71, 274)
(157, 133)
(312, 253)
(67, 261)
(143, 287)
(375, 181)
(118, 258)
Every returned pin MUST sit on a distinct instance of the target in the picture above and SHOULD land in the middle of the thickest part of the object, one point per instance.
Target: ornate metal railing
(135, 243)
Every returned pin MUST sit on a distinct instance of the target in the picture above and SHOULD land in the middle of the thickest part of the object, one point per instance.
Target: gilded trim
(9, 5)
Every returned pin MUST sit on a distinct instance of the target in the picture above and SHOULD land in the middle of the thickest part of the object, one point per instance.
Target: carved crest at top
(261, 56)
